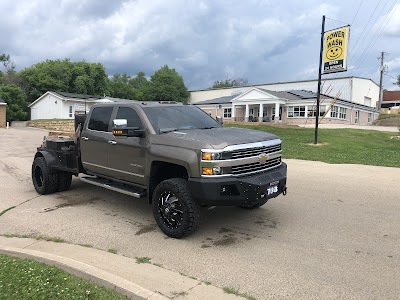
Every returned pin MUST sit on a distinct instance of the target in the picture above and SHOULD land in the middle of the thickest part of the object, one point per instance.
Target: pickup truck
(173, 154)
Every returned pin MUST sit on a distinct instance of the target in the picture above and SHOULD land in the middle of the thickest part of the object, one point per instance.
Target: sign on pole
(335, 50)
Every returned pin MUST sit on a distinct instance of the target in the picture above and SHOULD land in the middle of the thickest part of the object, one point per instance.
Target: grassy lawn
(27, 279)
(339, 146)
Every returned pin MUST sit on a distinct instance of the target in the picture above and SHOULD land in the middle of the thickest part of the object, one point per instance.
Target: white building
(348, 100)
(60, 105)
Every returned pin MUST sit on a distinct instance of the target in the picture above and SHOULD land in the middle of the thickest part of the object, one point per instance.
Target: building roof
(283, 82)
(288, 95)
(77, 96)
(391, 96)
(2, 102)
(220, 100)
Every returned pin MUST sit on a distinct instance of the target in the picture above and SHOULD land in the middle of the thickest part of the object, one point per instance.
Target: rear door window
(100, 118)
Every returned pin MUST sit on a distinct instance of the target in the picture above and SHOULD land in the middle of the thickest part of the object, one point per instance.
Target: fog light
(207, 171)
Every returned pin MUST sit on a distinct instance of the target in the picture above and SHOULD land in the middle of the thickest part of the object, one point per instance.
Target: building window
(70, 111)
(251, 112)
(227, 112)
(367, 101)
(369, 118)
(296, 111)
(357, 118)
(338, 112)
(312, 110)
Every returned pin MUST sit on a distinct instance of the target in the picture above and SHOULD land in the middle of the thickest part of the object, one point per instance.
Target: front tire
(43, 181)
(174, 209)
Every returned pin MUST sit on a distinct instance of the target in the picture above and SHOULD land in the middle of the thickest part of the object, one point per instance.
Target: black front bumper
(245, 190)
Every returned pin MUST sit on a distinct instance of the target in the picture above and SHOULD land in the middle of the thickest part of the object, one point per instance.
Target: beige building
(297, 107)
(348, 100)
(3, 111)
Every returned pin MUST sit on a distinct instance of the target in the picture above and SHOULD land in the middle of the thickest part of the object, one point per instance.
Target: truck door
(126, 155)
(94, 141)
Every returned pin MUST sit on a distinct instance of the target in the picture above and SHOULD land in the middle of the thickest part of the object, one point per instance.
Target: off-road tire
(43, 181)
(253, 206)
(179, 194)
(64, 181)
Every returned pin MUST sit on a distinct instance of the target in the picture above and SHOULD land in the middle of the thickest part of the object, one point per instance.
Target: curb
(86, 272)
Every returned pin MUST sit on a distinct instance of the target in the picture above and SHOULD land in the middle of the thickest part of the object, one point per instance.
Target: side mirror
(219, 120)
(120, 129)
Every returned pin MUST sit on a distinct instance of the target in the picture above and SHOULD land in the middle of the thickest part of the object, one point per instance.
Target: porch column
(277, 106)
(246, 115)
(233, 112)
(261, 113)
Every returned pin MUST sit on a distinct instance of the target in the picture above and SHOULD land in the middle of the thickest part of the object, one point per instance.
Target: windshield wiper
(168, 130)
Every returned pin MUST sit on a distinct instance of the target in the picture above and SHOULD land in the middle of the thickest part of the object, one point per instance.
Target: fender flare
(51, 159)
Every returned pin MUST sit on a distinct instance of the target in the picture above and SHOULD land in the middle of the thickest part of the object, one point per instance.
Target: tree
(64, 76)
(166, 85)
(8, 64)
(140, 84)
(230, 82)
(398, 80)
(17, 106)
(120, 87)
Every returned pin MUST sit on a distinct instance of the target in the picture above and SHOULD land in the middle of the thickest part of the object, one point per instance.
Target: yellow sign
(335, 50)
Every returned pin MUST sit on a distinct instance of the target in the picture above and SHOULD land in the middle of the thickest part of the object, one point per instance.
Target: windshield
(173, 118)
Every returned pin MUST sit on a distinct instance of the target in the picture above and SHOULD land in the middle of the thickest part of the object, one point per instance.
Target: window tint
(100, 118)
(131, 116)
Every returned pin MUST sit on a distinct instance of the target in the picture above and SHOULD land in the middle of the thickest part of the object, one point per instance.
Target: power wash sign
(335, 50)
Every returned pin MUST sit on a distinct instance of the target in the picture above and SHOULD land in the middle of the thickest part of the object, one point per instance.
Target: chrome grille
(255, 167)
(243, 153)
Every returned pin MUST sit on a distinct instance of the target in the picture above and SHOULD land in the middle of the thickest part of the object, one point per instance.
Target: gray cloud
(205, 41)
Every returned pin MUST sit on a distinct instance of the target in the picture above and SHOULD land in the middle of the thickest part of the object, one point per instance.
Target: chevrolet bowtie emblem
(263, 157)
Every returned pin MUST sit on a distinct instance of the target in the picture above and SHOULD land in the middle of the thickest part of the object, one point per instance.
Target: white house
(60, 105)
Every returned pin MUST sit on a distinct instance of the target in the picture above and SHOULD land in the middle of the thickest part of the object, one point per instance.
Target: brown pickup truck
(173, 154)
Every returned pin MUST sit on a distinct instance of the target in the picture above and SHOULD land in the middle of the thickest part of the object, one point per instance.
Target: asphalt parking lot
(336, 235)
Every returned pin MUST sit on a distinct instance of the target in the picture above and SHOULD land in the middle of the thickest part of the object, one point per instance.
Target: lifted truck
(173, 154)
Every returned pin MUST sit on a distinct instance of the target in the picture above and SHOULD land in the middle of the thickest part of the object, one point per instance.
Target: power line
(366, 24)
(357, 12)
(375, 37)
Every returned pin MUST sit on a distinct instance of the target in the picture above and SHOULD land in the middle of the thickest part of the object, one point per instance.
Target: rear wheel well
(161, 171)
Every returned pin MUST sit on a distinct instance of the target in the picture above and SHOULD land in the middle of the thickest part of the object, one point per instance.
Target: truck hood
(215, 138)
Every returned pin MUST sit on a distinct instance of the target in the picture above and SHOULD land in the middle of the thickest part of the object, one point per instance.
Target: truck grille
(243, 153)
(256, 167)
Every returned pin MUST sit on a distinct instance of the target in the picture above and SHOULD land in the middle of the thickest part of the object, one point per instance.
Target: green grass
(113, 251)
(236, 292)
(387, 116)
(6, 210)
(36, 237)
(338, 146)
(26, 279)
(143, 260)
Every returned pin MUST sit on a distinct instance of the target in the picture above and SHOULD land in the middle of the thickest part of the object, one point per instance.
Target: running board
(115, 186)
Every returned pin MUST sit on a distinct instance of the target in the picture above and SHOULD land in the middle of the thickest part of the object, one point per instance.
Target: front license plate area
(272, 189)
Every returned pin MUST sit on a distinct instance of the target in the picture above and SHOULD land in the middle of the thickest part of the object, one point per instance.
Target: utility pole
(382, 69)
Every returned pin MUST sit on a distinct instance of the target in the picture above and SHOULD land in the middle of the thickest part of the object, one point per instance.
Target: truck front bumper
(245, 190)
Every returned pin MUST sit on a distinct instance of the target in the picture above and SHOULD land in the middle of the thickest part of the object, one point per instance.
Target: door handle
(84, 138)
(112, 142)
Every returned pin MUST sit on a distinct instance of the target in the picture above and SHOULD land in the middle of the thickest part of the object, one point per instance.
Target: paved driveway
(336, 235)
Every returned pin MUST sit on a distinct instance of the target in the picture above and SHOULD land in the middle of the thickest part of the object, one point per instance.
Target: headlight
(211, 155)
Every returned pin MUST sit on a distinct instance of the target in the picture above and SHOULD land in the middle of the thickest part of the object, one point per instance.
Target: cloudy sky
(261, 40)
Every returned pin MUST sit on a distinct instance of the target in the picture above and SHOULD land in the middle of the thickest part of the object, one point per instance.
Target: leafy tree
(64, 76)
(8, 64)
(17, 106)
(140, 84)
(230, 82)
(166, 85)
(120, 87)
(398, 80)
